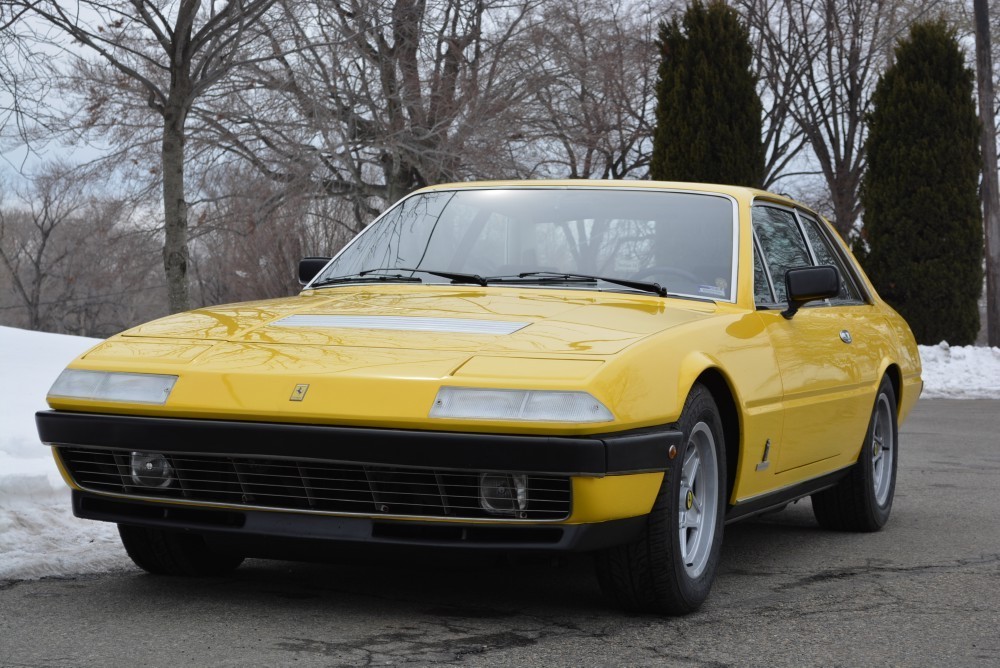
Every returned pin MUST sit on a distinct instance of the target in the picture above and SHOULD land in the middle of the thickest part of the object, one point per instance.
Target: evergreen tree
(708, 125)
(922, 218)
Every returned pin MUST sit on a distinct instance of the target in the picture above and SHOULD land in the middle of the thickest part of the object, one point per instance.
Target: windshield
(683, 241)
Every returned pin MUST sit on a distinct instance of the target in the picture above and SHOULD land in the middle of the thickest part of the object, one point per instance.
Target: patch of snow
(960, 372)
(38, 534)
(40, 537)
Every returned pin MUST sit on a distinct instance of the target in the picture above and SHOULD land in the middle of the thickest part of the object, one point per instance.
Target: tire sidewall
(880, 512)
(700, 407)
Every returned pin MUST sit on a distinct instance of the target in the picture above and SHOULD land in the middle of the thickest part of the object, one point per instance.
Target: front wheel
(165, 552)
(861, 501)
(670, 568)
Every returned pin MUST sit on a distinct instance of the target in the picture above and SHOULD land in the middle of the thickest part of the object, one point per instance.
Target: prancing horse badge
(299, 393)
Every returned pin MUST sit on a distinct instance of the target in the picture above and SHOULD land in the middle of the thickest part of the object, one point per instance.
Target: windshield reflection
(684, 241)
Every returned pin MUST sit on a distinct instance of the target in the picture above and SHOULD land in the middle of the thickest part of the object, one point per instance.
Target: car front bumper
(281, 535)
(392, 486)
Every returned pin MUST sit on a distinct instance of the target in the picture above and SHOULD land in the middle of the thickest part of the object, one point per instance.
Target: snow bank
(960, 372)
(39, 535)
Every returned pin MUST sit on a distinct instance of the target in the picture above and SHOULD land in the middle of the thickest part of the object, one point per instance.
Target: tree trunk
(175, 223)
(844, 199)
(989, 193)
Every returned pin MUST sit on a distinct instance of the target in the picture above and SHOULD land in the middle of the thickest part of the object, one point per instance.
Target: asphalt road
(925, 592)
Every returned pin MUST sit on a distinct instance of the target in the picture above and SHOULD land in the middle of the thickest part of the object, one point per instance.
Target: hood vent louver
(403, 324)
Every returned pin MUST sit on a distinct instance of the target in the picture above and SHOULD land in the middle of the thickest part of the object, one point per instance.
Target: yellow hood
(436, 318)
(377, 355)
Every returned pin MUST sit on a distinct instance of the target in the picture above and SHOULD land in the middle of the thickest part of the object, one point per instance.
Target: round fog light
(504, 493)
(151, 469)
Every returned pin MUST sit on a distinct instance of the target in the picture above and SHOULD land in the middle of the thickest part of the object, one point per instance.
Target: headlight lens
(471, 403)
(139, 388)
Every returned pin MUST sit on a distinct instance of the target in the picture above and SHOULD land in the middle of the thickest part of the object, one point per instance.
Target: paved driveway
(924, 591)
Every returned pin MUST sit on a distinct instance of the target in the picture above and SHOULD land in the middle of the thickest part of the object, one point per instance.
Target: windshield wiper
(361, 277)
(454, 277)
(553, 276)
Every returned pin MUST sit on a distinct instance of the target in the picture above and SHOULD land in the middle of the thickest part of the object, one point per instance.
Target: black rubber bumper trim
(295, 535)
(599, 455)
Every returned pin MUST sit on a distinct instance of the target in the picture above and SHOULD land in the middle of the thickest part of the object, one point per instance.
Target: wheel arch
(718, 385)
(895, 375)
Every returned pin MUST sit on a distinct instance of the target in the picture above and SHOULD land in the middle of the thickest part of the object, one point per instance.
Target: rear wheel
(670, 568)
(862, 500)
(164, 552)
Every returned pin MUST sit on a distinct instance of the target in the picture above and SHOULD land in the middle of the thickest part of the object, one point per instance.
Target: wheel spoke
(695, 521)
(691, 545)
(699, 487)
(690, 469)
(882, 456)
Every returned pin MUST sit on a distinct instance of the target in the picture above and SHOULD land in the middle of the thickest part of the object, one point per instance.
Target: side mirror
(808, 284)
(309, 267)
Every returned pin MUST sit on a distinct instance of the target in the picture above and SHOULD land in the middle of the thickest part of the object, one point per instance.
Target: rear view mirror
(807, 284)
(309, 267)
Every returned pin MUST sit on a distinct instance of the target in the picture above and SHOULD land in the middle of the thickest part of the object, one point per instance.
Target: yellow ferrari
(613, 367)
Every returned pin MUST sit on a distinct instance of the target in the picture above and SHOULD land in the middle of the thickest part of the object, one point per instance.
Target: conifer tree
(920, 191)
(708, 125)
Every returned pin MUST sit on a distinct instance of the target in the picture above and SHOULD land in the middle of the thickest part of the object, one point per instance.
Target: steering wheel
(661, 270)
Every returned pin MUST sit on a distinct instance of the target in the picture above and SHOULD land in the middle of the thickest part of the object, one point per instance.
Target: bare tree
(840, 40)
(21, 89)
(821, 60)
(588, 116)
(371, 100)
(781, 66)
(989, 191)
(167, 54)
(27, 250)
(74, 259)
(251, 231)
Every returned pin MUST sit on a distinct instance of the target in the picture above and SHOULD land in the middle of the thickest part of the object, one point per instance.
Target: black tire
(854, 504)
(649, 575)
(164, 552)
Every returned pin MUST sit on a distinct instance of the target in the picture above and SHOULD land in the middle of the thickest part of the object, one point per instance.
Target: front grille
(311, 485)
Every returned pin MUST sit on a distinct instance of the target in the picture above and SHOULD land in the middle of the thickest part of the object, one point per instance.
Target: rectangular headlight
(138, 388)
(472, 403)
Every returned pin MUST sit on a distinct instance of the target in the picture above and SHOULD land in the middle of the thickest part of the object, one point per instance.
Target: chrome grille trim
(403, 324)
(317, 487)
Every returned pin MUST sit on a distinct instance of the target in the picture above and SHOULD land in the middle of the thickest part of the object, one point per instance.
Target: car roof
(740, 193)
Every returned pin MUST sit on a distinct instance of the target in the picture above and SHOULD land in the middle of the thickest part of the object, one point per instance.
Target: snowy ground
(40, 537)
(960, 372)
(38, 534)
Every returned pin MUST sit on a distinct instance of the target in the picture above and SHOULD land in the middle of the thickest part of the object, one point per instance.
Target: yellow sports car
(613, 367)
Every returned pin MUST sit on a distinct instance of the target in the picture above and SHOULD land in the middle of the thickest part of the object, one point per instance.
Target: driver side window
(782, 244)
(761, 286)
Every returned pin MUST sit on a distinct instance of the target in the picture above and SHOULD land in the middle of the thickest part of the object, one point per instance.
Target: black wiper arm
(361, 277)
(452, 276)
(645, 286)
